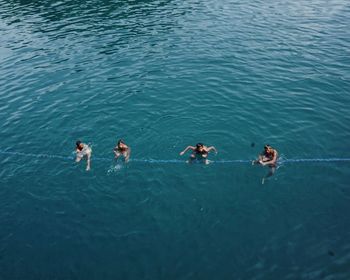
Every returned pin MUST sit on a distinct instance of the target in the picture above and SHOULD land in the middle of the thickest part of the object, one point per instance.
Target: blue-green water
(164, 75)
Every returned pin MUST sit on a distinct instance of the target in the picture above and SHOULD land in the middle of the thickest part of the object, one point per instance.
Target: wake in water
(115, 168)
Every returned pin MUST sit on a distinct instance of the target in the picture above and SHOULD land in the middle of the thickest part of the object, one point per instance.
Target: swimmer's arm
(115, 149)
(77, 152)
(88, 162)
(212, 148)
(261, 157)
(127, 154)
(77, 158)
(272, 161)
(188, 148)
(116, 153)
(259, 160)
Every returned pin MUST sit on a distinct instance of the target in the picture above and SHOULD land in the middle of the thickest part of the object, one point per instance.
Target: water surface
(163, 75)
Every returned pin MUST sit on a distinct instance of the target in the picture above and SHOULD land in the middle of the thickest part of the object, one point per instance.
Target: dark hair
(198, 145)
(78, 143)
(120, 141)
(267, 146)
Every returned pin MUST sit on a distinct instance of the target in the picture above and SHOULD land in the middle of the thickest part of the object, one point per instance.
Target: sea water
(163, 75)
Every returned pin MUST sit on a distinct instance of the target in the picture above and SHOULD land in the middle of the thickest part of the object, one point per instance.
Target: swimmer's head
(199, 146)
(79, 144)
(267, 147)
(120, 142)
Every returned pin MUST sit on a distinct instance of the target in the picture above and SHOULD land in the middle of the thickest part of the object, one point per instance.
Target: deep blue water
(163, 75)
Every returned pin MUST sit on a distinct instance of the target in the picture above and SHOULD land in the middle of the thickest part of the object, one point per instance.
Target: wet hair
(120, 141)
(198, 145)
(78, 143)
(267, 146)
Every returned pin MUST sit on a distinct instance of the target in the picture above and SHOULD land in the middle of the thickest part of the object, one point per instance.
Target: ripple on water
(163, 75)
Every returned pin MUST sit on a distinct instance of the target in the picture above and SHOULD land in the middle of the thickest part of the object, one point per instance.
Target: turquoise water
(163, 75)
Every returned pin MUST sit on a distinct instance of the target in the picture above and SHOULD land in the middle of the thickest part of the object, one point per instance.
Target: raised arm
(212, 148)
(188, 148)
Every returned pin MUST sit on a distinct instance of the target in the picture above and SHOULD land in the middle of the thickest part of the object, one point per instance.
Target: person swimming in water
(199, 152)
(83, 150)
(268, 158)
(121, 149)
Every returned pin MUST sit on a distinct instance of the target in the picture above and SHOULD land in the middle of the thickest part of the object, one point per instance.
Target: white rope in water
(161, 161)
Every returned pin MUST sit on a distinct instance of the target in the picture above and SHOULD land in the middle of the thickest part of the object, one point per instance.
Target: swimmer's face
(81, 146)
(268, 149)
(200, 148)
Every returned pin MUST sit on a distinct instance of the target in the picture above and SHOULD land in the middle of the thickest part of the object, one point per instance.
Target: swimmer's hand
(181, 154)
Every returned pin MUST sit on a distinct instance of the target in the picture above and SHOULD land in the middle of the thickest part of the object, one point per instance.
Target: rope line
(162, 161)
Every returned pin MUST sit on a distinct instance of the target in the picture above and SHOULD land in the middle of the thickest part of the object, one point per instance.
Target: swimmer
(267, 158)
(122, 149)
(81, 151)
(200, 152)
